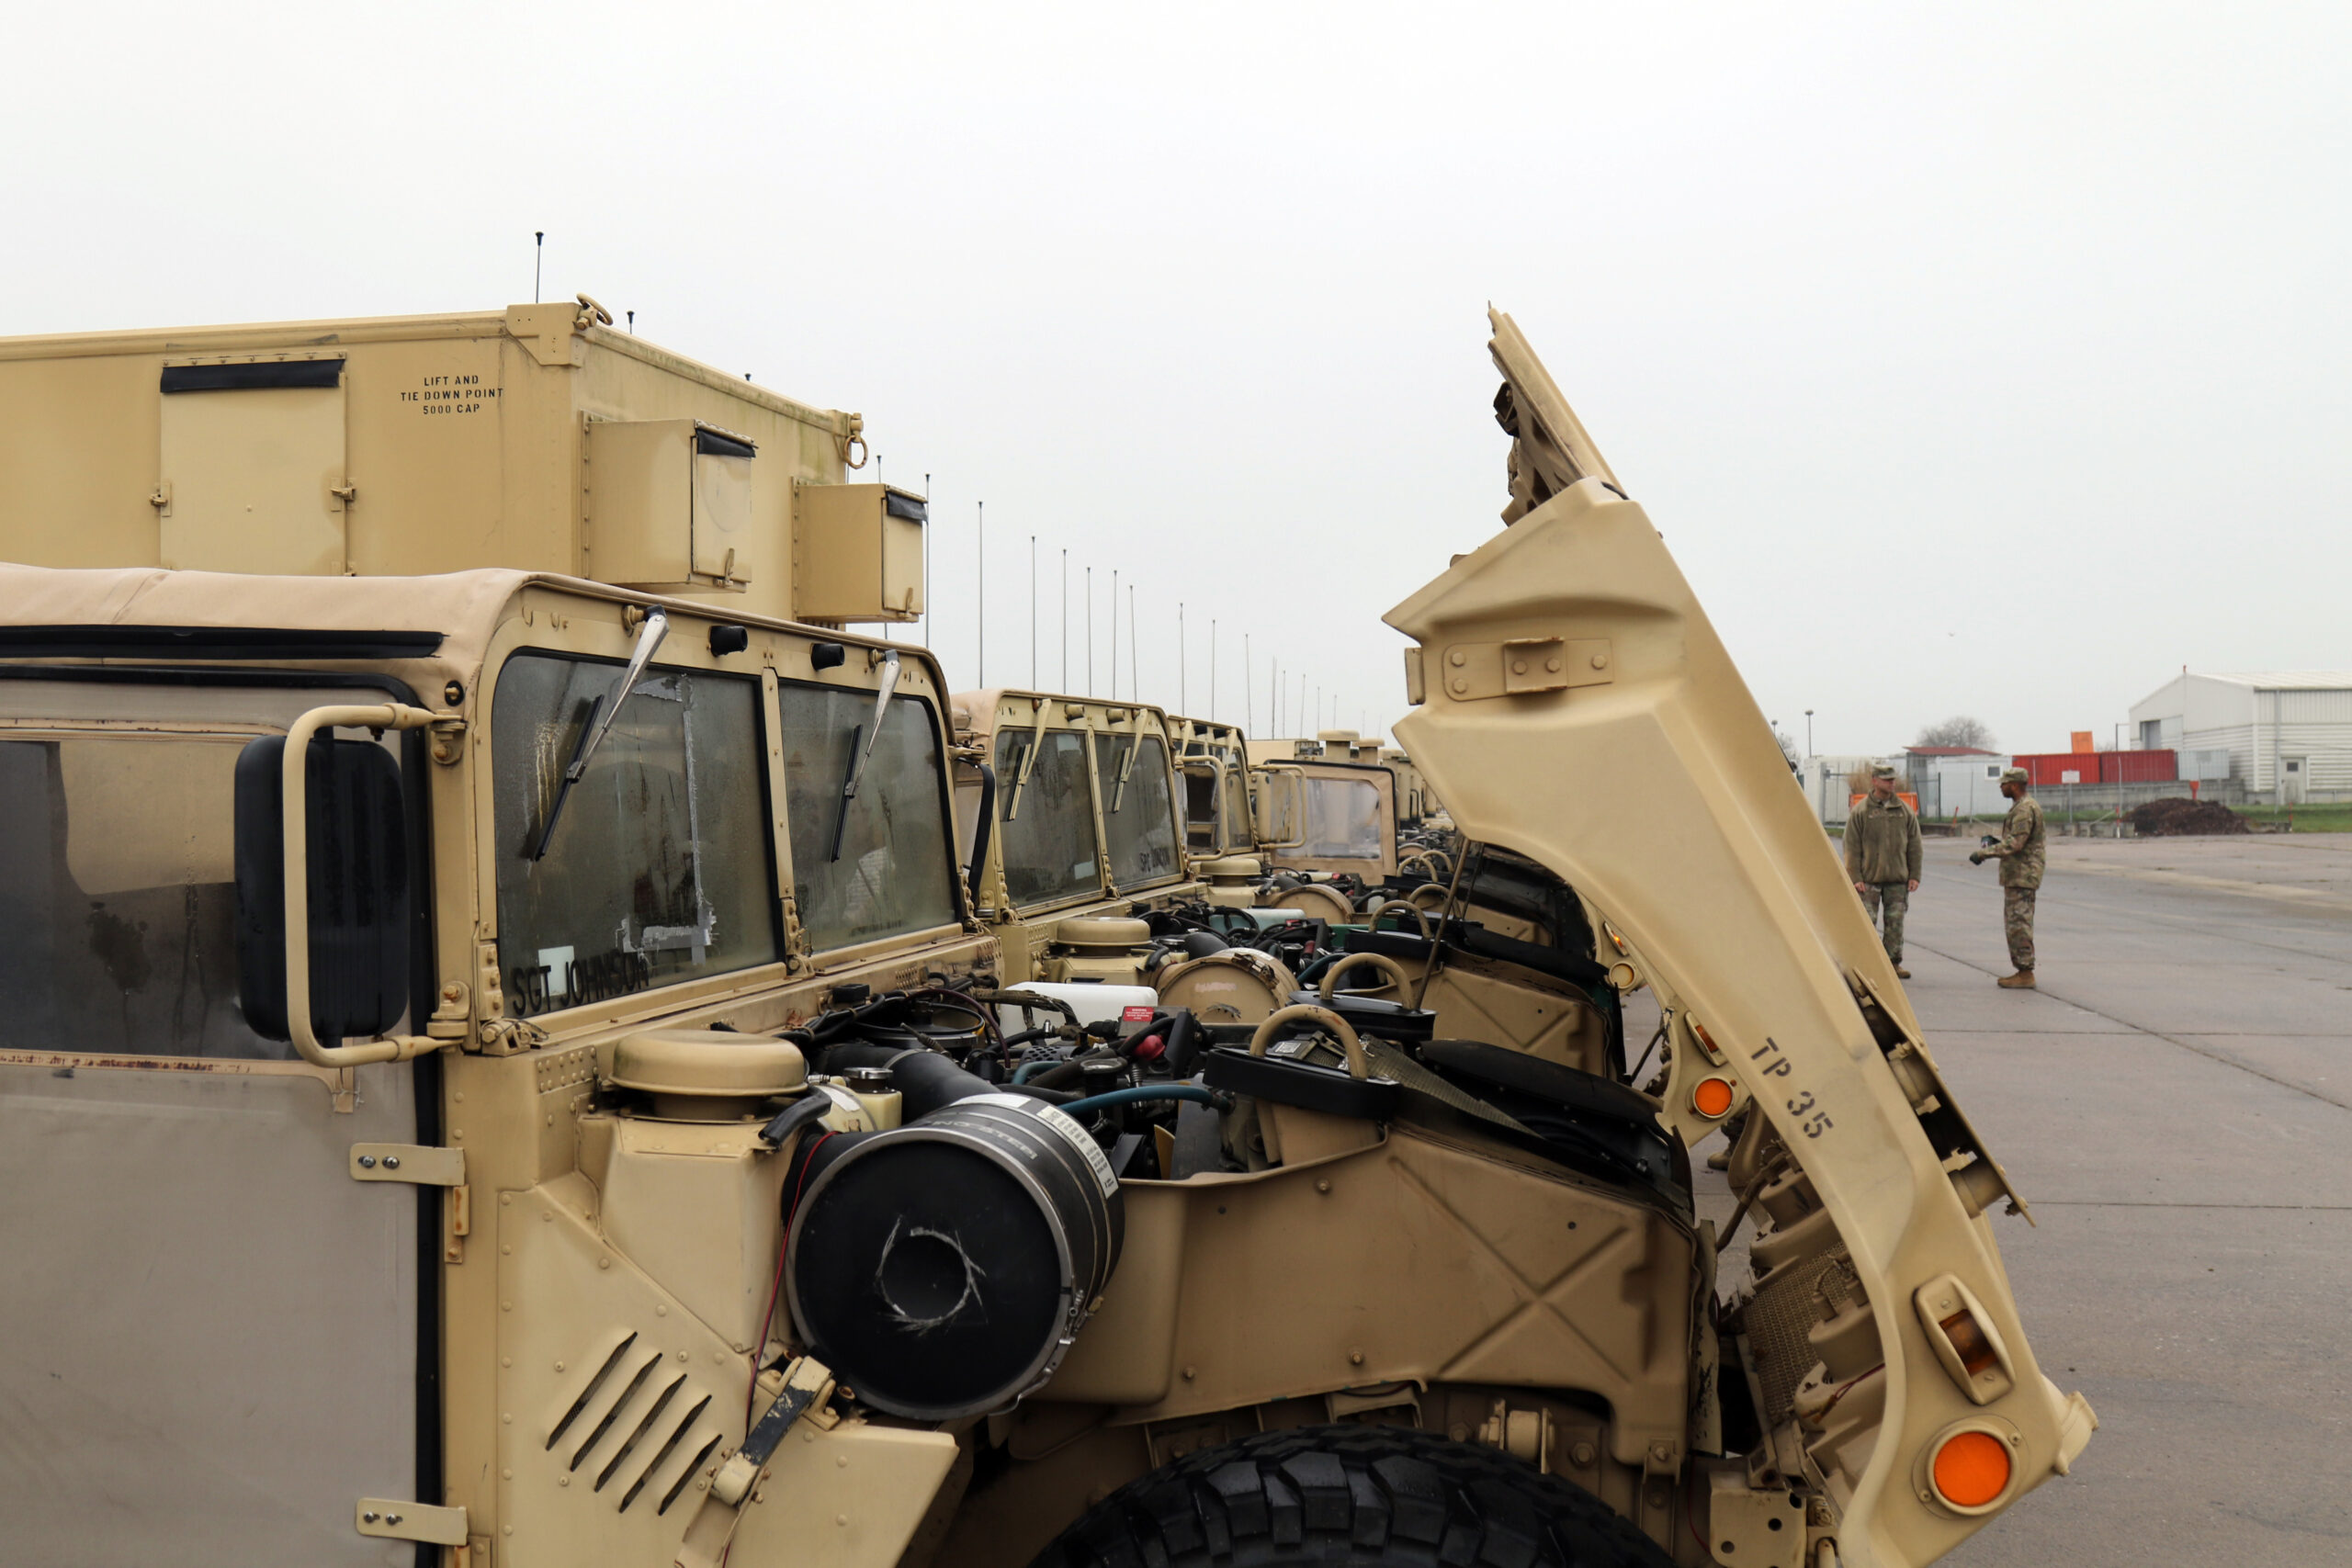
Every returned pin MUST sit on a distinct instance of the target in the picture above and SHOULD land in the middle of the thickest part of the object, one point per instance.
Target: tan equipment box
(538, 438)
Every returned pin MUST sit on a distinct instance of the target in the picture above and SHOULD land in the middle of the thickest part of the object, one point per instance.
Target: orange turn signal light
(1972, 1469)
(1711, 1098)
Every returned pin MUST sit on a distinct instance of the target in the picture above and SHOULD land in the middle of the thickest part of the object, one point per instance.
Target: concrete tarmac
(2174, 1102)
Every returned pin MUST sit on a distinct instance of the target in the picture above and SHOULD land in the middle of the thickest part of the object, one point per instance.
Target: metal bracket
(419, 1165)
(1523, 666)
(393, 1519)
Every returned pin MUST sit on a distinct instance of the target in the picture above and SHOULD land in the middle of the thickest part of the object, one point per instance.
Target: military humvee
(1070, 806)
(476, 1091)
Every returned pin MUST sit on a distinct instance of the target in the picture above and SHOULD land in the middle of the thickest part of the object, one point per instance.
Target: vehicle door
(214, 1327)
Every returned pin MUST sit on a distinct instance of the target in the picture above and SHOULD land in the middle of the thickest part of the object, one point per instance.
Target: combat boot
(2021, 981)
(1901, 973)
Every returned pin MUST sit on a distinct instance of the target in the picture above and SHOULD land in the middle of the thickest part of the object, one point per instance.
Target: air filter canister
(941, 1269)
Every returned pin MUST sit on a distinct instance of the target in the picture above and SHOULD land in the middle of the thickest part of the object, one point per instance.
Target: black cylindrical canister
(943, 1269)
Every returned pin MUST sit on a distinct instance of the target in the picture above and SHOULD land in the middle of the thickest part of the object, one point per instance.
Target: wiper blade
(601, 715)
(860, 755)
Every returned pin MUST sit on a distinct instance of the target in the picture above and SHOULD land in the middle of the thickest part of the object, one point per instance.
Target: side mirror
(1275, 808)
(355, 869)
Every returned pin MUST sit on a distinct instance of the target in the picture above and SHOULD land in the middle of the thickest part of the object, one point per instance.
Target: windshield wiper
(601, 715)
(860, 755)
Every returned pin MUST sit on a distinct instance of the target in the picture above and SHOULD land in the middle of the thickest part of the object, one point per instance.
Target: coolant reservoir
(1092, 1002)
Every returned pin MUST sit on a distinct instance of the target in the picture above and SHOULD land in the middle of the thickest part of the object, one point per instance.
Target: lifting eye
(1711, 1098)
(1972, 1469)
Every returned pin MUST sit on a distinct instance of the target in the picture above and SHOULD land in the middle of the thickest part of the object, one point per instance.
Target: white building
(1956, 781)
(2288, 733)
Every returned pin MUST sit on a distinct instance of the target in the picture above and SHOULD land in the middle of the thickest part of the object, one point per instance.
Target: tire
(1351, 1497)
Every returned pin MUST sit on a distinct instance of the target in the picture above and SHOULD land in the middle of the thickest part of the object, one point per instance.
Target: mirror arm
(295, 792)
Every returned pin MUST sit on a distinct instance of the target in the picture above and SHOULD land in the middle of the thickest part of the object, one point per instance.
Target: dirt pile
(2178, 816)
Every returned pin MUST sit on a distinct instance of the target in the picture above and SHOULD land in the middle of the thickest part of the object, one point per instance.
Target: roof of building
(1950, 751)
(2280, 679)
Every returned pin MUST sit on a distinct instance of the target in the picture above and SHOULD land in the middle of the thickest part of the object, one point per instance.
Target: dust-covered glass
(656, 866)
(884, 866)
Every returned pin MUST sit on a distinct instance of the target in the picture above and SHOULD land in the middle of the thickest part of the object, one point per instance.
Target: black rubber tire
(1350, 1496)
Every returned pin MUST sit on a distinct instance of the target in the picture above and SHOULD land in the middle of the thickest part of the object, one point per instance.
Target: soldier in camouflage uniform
(1883, 859)
(2022, 855)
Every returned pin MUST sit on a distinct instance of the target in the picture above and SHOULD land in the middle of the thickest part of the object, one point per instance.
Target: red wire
(775, 1291)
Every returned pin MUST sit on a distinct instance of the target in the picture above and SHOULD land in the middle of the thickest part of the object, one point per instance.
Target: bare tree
(1788, 746)
(1959, 730)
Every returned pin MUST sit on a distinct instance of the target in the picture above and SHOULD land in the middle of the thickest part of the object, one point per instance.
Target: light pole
(1809, 734)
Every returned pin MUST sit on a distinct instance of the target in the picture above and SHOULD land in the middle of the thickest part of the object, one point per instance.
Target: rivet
(1601, 661)
(2017, 1439)
(1584, 1454)
(604, 1263)
(504, 1199)
(564, 1480)
(506, 1475)
(508, 1529)
(1457, 657)
(506, 1419)
(366, 1162)
(370, 1516)
(1188, 1374)
(660, 1308)
(505, 1251)
(682, 1355)
(506, 1306)
(459, 1097)
(391, 1519)
(392, 1162)
(505, 1360)
(559, 1366)
(547, 1214)
(1553, 665)
(1461, 686)
(550, 1118)
(841, 1518)
(1518, 666)
(1322, 1184)
(840, 1461)
(1355, 1358)
(456, 1133)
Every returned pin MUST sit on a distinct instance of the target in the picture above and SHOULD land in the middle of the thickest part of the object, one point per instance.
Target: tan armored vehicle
(498, 1069)
(1220, 830)
(1068, 809)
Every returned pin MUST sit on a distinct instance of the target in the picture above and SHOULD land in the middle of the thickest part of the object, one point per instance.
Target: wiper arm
(600, 720)
(860, 755)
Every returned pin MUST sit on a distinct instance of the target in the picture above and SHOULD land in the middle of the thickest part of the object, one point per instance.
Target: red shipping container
(2139, 767)
(2048, 769)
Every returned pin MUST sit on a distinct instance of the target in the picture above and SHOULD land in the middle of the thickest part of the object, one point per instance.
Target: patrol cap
(1881, 771)
(2013, 775)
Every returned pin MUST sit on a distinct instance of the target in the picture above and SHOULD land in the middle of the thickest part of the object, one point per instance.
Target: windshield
(893, 871)
(117, 882)
(658, 867)
(1045, 817)
(1343, 819)
(1138, 812)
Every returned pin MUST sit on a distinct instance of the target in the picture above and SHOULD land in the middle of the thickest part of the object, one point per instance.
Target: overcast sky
(1989, 362)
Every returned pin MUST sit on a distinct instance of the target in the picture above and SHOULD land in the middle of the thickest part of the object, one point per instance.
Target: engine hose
(1140, 1093)
(928, 1079)
(1069, 1070)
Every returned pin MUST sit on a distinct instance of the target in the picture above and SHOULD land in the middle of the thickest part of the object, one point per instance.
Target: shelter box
(857, 552)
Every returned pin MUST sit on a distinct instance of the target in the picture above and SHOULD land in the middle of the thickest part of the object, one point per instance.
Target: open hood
(1573, 703)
